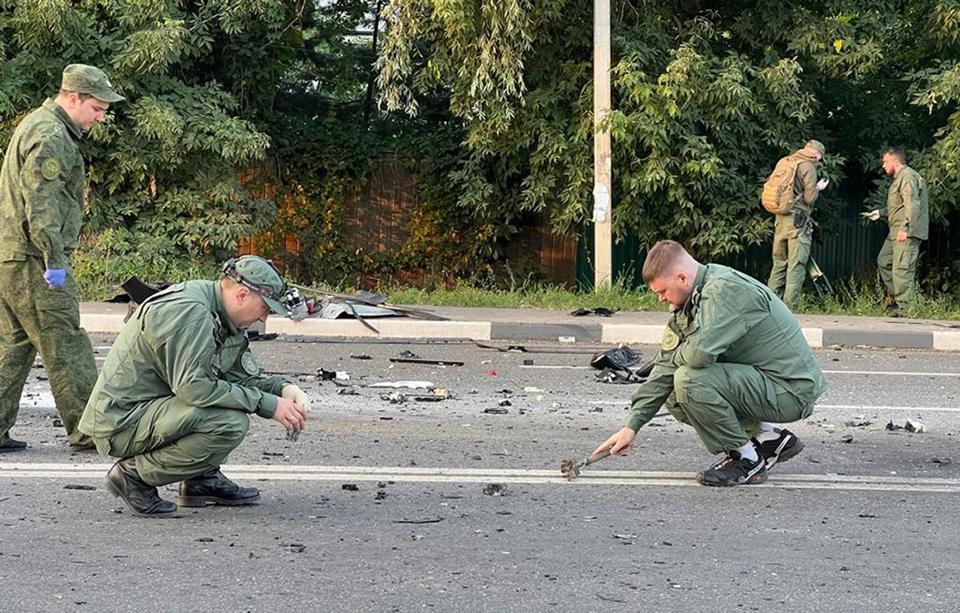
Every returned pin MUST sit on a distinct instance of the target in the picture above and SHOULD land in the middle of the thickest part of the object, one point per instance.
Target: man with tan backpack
(789, 193)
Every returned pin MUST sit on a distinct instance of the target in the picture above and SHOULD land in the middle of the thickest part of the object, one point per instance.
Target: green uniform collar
(694, 300)
(51, 105)
(897, 174)
(221, 310)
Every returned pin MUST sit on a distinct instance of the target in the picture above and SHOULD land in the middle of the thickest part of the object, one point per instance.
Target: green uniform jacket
(180, 343)
(730, 317)
(907, 208)
(805, 181)
(41, 188)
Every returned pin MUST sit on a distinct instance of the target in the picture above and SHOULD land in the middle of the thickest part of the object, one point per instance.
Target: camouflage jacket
(41, 188)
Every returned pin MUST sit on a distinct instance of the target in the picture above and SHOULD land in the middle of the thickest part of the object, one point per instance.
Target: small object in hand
(293, 435)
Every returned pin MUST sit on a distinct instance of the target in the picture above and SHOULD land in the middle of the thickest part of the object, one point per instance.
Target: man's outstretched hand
(620, 443)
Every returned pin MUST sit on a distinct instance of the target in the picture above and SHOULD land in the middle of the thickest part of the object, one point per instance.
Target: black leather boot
(12, 445)
(213, 488)
(124, 481)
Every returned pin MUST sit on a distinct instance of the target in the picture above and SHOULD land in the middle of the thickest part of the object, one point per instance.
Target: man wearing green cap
(41, 209)
(908, 218)
(174, 396)
(793, 230)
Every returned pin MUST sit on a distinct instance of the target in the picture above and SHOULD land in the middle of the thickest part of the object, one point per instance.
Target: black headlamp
(290, 297)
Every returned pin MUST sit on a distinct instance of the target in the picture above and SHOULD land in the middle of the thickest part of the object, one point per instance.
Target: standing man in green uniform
(732, 361)
(174, 396)
(908, 218)
(793, 231)
(41, 209)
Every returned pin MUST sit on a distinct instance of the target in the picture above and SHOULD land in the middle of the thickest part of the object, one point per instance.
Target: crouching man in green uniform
(41, 210)
(732, 361)
(178, 386)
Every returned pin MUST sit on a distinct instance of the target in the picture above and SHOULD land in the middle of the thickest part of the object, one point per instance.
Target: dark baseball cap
(85, 79)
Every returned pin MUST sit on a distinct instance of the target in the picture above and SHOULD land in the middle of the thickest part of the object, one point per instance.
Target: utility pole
(602, 189)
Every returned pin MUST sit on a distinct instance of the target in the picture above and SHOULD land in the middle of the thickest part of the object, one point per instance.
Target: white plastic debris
(412, 385)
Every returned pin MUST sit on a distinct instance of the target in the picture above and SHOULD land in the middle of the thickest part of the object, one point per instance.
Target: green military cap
(85, 79)
(816, 146)
(261, 276)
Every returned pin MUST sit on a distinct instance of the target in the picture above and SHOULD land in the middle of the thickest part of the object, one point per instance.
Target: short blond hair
(661, 259)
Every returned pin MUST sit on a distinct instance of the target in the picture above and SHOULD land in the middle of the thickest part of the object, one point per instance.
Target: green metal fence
(846, 250)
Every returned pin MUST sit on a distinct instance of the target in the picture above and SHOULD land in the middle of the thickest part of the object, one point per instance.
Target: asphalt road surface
(458, 504)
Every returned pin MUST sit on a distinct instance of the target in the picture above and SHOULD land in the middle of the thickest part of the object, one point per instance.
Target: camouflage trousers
(791, 250)
(173, 441)
(34, 318)
(897, 263)
(724, 403)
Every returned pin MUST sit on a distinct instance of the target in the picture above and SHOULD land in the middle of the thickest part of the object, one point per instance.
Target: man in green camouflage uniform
(908, 219)
(41, 209)
(732, 362)
(174, 396)
(793, 231)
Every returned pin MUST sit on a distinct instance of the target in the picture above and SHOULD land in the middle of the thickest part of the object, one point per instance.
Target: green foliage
(163, 170)
(326, 137)
(707, 96)
(100, 266)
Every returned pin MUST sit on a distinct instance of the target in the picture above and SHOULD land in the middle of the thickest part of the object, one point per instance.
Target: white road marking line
(891, 373)
(845, 407)
(874, 407)
(882, 373)
(556, 367)
(485, 475)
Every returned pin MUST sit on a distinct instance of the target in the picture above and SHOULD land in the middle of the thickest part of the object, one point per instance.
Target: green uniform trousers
(34, 317)
(724, 402)
(897, 263)
(174, 441)
(791, 250)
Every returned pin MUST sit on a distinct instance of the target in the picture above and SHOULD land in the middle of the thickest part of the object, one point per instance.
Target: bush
(100, 265)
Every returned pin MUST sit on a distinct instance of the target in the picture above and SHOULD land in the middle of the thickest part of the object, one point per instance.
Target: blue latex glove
(55, 277)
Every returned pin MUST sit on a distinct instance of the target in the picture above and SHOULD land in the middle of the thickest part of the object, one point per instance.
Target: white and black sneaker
(734, 470)
(779, 449)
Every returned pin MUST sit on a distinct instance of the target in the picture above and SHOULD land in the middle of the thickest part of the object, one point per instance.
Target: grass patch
(851, 298)
(867, 299)
(535, 296)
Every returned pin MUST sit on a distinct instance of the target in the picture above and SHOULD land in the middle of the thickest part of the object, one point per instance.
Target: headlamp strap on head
(290, 297)
(230, 270)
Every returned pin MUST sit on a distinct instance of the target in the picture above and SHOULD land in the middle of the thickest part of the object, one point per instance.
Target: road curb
(612, 333)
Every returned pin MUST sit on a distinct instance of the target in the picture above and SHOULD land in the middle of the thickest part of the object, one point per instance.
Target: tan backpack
(777, 196)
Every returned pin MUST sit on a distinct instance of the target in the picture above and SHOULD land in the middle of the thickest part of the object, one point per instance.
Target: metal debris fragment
(426, 362)
(413, 385)
(495, 489)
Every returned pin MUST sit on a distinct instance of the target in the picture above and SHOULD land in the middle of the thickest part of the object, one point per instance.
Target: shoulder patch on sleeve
(50, 169)
(249, 364)
(670, 339)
